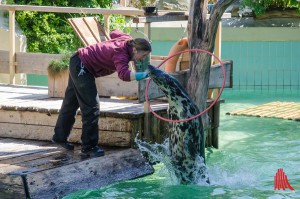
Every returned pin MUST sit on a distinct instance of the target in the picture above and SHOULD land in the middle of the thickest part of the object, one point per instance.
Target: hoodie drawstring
(81, 70)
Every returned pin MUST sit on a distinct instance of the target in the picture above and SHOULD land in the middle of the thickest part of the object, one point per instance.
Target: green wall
(263, 57)
(264, 64)
(37, 80)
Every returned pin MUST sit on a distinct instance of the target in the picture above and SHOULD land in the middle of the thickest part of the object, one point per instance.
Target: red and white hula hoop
(212, 104)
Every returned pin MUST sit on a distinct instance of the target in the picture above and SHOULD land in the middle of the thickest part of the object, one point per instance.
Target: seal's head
(167, 83)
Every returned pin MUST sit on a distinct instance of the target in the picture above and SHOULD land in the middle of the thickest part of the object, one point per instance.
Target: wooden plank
(47, 157)
(58, 9)
(82, 31)
(89, 30)
(4, 61)
(51, 161)
(169, 16)
(215, 80)
(89, 174)
(109, 107)
(83, 41)
(60, 172)
(34, 63)
(32, 90)
(11, 169)
(279, 110)
(25, 131)
(11, 148)
(111, 85)
(35, 118)
(150, 19)
(11, 186)
(96, 29)
(216, 75)
(30, 155)
(57, 84)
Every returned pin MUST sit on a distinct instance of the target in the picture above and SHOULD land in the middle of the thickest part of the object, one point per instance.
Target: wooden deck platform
(280, 110)
(28, 113)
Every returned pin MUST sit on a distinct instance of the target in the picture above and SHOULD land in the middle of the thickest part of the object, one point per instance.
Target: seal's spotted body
(186, 138)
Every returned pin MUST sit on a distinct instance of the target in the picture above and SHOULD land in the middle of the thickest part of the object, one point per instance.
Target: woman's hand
(141, 75)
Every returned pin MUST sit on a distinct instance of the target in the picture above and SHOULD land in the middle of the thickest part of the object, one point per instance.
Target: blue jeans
(81, 93)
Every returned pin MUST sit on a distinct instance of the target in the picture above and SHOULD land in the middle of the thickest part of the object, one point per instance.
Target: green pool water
(251, 150)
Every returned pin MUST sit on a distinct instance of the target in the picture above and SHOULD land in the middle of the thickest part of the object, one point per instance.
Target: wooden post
(12, 47)
(218, 42)
(215, 125)
(215, 93)
(146, 108)
(106, 23)
(123, 3)
(218, 52)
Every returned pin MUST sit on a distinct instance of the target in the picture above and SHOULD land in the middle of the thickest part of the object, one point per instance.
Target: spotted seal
(186, 139)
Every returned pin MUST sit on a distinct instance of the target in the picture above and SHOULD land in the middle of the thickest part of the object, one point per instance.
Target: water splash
(237, 179)
(160, 153)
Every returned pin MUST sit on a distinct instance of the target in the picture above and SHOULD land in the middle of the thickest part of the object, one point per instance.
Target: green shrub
(260, 6)
(57, 66)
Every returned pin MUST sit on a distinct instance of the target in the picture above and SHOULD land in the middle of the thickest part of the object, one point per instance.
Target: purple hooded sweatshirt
(107, 57)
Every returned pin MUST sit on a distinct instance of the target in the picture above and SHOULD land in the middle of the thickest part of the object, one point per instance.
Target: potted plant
(149, 6)
(58, 76)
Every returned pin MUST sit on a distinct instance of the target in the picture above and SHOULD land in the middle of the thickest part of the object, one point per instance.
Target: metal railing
(268, 79)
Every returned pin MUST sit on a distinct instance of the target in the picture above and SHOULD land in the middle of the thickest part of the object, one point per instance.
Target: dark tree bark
(202, 34)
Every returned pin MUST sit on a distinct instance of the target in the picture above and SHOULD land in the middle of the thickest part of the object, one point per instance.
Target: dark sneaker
(65, 145)
(95, 151)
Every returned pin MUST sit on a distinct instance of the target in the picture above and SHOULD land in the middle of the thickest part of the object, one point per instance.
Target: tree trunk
(202, 34)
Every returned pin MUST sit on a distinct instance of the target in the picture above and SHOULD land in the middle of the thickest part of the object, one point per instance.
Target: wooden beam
(11, 186)
(106, 138)
(57, 9)
(169, 16)
(34, 63)
(88, 174)
(151, 19)
(215, 80)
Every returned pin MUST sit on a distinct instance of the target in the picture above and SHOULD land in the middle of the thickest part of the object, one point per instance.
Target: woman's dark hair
(140, 44)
